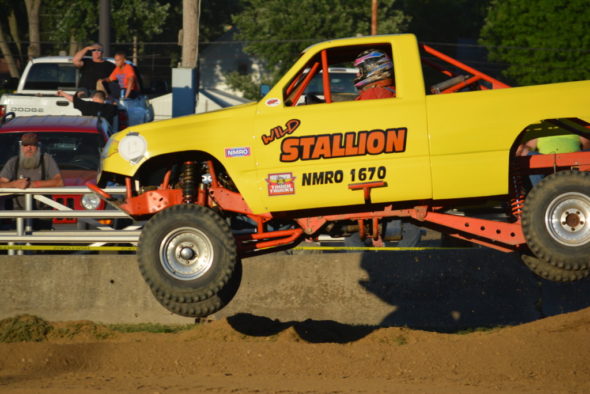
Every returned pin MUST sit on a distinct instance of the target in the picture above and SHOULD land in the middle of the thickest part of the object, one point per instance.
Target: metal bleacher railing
(92, 235)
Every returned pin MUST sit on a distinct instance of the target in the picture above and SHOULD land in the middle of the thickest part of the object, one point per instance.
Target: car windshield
(51, 76)
(71, 151)
(341, 81)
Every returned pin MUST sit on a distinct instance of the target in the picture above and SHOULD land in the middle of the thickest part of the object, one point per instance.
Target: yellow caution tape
(134, 248)
(370, 248)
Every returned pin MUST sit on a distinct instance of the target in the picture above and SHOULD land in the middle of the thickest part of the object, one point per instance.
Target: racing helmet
(373, 65)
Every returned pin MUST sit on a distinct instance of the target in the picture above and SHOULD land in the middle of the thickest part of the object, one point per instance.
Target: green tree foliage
(78, 20)
(542, 41)
(445, 20)
(141, 18)
(275, 31)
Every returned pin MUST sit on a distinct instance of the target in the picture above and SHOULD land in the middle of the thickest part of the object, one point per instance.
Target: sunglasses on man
(96, 50)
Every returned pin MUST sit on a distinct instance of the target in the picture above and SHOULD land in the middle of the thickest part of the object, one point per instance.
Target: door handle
(62, 103)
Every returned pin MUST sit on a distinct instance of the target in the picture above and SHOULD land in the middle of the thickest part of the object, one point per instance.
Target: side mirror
(264, 89)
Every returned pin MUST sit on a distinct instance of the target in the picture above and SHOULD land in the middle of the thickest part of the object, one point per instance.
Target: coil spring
(188, 181)
(519, 194)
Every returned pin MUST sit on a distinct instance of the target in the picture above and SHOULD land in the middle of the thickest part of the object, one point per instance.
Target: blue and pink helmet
(373, 65)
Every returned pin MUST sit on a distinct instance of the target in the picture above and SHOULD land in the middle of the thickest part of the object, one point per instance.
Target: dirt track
(249, 354)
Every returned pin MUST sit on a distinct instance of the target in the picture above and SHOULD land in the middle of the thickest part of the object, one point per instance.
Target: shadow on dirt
(443, 291)
(313, 331)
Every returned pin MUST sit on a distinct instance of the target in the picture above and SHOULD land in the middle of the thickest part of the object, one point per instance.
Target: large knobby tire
(186, 253)
(550, 272)
(210, 305)
(556, 220)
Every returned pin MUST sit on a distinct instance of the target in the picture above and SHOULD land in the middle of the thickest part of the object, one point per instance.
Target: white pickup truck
(37, 87)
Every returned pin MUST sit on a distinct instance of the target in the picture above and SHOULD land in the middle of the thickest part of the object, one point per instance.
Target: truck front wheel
(555, 220)
(550, 272)
(186, 254)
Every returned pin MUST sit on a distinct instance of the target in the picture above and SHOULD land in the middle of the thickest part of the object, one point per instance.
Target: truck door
(319, 147)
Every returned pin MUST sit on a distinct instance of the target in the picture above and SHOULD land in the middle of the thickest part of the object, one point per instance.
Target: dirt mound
(247, 353)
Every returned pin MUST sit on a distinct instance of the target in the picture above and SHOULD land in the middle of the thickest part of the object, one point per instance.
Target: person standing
(125, 78)
(92, 70)
(30, 168)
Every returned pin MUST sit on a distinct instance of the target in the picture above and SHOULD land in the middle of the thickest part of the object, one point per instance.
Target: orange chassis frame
(503, 236)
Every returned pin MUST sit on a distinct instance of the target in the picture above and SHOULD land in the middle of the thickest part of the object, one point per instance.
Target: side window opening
(443, 74)
(309, 84)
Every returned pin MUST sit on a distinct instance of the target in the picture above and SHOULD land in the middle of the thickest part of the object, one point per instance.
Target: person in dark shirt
(93, 69)
(96, 107)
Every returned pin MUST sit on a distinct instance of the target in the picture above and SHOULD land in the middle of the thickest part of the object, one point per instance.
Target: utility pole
(374, 6)
(185, 78)
(104, 26)
(190, 32)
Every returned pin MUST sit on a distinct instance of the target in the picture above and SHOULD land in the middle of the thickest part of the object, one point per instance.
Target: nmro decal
(237, 152)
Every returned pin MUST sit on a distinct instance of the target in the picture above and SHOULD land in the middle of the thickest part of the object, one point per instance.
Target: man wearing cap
(30, 168)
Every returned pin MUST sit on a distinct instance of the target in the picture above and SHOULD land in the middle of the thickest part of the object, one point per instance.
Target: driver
(374, 78)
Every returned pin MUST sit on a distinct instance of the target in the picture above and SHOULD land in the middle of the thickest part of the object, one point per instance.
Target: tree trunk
(191, 10)
(374, 7)
(8, 58)
(74, 45)
(33, 7)
(135, 52)
(13, 29)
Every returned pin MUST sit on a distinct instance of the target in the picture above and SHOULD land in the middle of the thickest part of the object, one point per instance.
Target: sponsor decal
(330, 146)
(237, 152)
(281, 184)
(273, 102)
(279, 132)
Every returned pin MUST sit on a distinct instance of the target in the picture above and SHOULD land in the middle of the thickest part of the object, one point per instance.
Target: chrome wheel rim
(567, 217)
(186, 253)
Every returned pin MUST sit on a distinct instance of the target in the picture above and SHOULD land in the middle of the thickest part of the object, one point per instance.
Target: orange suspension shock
(518, 196)
(188, 182)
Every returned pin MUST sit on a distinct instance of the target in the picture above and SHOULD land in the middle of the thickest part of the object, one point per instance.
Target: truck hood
(207, 132)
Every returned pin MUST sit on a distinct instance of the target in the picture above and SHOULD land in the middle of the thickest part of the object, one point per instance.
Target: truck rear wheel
(550, 272)
(555, 220)
(186, 254)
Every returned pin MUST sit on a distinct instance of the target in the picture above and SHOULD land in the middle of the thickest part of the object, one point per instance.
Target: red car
(73, 141)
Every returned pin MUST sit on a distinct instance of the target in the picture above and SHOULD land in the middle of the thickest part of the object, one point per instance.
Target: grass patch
(150, 327)
(86, 328)
(24, 328)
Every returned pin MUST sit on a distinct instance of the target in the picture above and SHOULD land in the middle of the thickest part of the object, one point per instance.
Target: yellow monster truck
(300, 163)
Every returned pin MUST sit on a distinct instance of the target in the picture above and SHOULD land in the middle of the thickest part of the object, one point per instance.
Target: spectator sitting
(125, 78)
(92, 70)
(96, 107)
